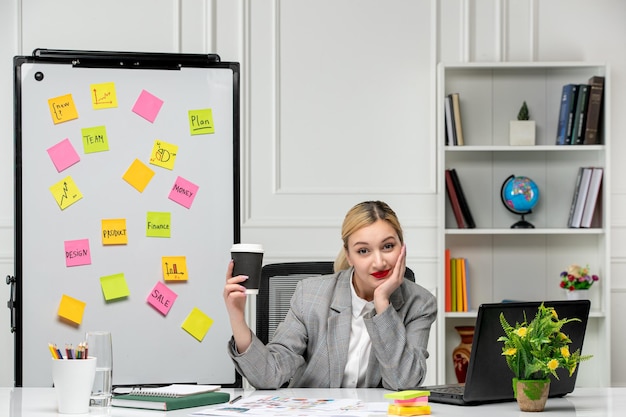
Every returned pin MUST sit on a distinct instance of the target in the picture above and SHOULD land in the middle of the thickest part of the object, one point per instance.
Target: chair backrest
(278, 283)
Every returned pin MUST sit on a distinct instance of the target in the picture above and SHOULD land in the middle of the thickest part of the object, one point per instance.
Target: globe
(520, 195)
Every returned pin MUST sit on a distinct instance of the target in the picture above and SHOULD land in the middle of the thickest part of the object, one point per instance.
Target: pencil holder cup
(73, 379)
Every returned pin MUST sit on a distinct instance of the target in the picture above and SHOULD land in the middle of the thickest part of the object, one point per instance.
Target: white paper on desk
(265, 406)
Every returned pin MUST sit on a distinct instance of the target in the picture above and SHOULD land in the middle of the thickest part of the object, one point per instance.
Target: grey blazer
(310, 347)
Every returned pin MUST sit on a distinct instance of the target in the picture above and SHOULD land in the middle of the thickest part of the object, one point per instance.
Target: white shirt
(360, 343)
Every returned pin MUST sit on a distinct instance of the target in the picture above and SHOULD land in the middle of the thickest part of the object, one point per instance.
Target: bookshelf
(520, 264)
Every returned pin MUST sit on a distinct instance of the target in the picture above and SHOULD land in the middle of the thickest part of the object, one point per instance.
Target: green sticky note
(95, 139)
(158, 224)
(201, 122)
(114, 287)
(406, 395)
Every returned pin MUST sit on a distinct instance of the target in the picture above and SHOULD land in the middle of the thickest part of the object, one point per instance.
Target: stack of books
(457, 284)
(580, 113)
(456, 196)
(408, 403)
(586, 208)
(454, 127)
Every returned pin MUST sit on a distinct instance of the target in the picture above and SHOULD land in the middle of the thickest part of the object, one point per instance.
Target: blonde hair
(362, 215)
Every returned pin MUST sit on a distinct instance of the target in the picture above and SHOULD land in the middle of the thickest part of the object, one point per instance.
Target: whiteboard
(174, 337)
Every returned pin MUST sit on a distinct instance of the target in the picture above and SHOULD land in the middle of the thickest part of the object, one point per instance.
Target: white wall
(337, 102)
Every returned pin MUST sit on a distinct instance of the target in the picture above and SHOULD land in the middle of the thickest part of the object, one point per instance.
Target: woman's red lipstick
(381, 274)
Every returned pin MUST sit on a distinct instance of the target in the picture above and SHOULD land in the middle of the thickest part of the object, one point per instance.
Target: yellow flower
(556, 316)
(553, 364)
(521, 332)
(510, 352)
(565, 352)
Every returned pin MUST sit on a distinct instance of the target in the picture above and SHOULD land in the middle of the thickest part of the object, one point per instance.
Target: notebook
(489, 378)
(174, 390)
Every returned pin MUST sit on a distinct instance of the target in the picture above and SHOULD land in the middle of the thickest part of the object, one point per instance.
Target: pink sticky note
(147, 106)
(161, 298)
(183, 192)
(77, 252)
(63, 155)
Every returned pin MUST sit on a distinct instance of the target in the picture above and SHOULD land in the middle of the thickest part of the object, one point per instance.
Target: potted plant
(522, 130)
(535, 350)
(576, 280)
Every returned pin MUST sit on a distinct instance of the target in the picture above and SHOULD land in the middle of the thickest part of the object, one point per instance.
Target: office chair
(278, 283)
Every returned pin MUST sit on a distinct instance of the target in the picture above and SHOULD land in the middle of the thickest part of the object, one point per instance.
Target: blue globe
(520, 195)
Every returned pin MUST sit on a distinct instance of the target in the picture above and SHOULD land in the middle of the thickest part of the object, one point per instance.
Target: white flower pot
(522, 132)
(577, 294)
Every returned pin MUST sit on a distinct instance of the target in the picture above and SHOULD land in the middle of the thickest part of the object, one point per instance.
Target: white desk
(588, 402)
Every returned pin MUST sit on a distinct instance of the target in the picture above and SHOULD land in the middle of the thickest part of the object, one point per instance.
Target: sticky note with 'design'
(197, 324)
(114, 287)
(77, 252)
(71, 309)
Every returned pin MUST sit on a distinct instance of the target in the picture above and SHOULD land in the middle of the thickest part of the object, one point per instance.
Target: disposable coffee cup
(248, 259)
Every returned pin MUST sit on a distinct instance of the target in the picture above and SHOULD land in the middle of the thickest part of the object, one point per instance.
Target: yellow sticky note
(138, 175)
(174, 268)
(197, 324)
(71, 309)
(158, 224)
(163, 154)
(66, 192)
(398, 410)
(114, 232)
(95, 139)
(103, 96)
(405, 395)
(62, 109)
(114, 286)
(201, 122)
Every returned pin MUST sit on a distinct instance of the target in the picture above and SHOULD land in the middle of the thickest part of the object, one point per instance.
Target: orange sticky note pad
(71, 309)
(114, 232)
(398, 410)
(62, 109)
(138, 175)
(197, 324)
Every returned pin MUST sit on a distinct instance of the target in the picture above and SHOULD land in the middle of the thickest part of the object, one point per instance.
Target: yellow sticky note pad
(201, 122)
(114, 232)
(163, 154)
(62, 109)
(114, 286)
(174, 268)
(71, 309)
(138, 175)
(66, 192)
(197, 324)
(398, 410)
(103, 96)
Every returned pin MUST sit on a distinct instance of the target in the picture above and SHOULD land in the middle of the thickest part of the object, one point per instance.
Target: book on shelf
(456, 116)
(459, 286)
(454, 200)
(594, 111)
(453, 276)
(168, 403)
(591, 202)
(566, 114)
(467, 214)
(448, 294)
(451, 139)
(580, 196)
(578, 131)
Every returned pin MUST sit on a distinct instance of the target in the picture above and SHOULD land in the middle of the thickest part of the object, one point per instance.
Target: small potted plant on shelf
(535, 350)
(576, 280)
(522, 130)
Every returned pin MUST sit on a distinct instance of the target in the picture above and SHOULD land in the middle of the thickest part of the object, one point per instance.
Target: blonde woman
(363, 326)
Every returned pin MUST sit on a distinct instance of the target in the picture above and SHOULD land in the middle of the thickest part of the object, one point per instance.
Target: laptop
(489, 378)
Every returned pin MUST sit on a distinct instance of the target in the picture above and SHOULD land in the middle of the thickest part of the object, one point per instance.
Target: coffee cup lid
(247, 247)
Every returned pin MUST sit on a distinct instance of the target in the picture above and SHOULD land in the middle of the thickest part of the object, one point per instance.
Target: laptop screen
(488, 375)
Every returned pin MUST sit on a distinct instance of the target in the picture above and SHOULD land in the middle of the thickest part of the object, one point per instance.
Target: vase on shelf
(577, 294)
(461, 353)
(531, 395)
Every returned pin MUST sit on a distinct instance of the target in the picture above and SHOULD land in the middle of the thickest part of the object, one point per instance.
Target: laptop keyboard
(447, 389)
